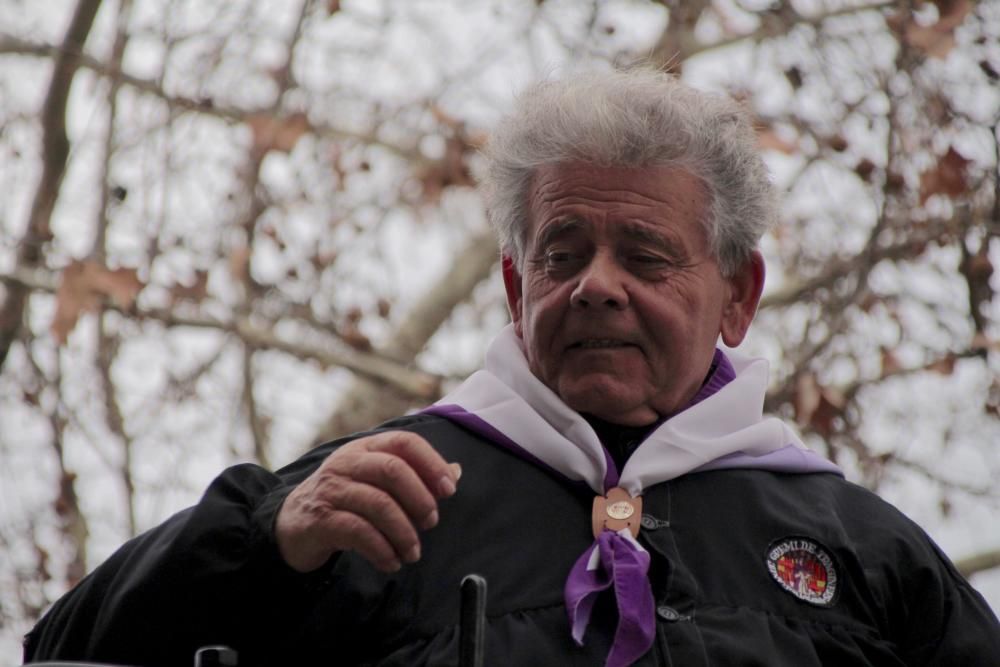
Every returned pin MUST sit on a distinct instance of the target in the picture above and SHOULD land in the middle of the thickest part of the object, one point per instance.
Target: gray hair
(633, 118)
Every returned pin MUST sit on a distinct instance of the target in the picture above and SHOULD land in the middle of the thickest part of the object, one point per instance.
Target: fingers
(397, 483)
(363, 538)
(372, 496)
(438, 475)
(381, 510)
(410, 471)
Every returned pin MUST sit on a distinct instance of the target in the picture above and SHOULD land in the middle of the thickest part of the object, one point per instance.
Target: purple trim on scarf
(611, 474)
(723, 374)
(621, 565)
(789, 458)
(624, 567)
(459, 415)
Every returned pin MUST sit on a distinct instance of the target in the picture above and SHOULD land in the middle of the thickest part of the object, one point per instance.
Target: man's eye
(557, 257)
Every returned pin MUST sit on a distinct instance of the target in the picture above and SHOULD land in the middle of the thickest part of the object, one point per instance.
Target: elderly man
(620, 490)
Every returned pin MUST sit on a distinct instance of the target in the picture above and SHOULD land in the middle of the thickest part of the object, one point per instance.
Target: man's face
(620, 302)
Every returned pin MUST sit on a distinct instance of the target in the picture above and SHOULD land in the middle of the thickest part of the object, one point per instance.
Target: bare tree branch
(55, 152)
(261, 440)
(255, 195)
(907, 248)
(365, 403)
(107, 342)
(276, 259)
(180, 103)
(327, 352)
(775, 24)
(986, 560)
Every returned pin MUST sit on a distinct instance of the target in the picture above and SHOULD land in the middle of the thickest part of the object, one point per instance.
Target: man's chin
(609, 398)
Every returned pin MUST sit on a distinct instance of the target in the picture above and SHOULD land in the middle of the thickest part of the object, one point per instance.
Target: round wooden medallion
(617, 510)
(620, 510)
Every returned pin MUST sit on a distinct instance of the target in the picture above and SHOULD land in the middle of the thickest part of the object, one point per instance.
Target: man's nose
(600, 284)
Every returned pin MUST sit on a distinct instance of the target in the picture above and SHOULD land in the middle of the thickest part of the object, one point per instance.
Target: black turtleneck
(620, 441)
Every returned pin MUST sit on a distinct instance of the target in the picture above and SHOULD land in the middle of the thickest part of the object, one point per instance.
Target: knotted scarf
(722, 428)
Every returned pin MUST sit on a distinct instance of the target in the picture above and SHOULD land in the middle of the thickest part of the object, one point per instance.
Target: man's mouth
(599, 344)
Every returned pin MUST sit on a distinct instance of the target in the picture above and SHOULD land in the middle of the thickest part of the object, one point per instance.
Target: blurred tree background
(232, 229)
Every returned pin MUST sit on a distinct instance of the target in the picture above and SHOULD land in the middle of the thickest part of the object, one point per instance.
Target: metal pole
(472, 622)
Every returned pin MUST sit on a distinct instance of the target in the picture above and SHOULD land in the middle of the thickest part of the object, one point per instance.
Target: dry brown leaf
(838, 142)
(869, 301)
(978, 267)
(806, 399)
(992, 404)
(445, 118)
(239, 263)
(30, 397)
(431, 179)
(42, 558)
(323, 259)
(72, 299)
(946, 178)
(451, 170)
(195, 292)
(276, 133)
(938, 40)
(768, 139)
(82, 287)
(943, 366)
(121, 285)
(981, 341)
(831, 406)
(794, 76)
(353, 315)
(894, 181)
(864, 169)
(817, 406)
(929, 39)
(951, 13)
(890, 364)
(66, 502)
(353, 337)
(476, 139)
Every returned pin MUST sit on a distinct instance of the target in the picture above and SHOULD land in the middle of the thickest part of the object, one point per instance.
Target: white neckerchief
(725, 430)
(506, 403)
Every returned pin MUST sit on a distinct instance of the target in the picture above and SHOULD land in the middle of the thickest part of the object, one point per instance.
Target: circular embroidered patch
(803, 568)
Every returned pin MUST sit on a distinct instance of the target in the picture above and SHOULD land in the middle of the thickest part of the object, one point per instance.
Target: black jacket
(212, 575)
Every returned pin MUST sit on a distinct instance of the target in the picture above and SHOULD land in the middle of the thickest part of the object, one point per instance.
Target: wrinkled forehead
(633, 229)
(656, 184)
(570, 197)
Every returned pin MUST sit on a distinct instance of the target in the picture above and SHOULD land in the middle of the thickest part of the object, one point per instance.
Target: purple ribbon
(623, 566)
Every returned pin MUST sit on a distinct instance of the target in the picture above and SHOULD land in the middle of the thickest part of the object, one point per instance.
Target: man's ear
(745, 287)
(512, 283)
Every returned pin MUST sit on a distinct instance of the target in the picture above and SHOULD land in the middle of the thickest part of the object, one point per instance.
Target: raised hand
(372, 496)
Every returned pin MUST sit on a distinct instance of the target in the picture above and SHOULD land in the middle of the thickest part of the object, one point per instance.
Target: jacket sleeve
(211, 574)
(947, 621)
